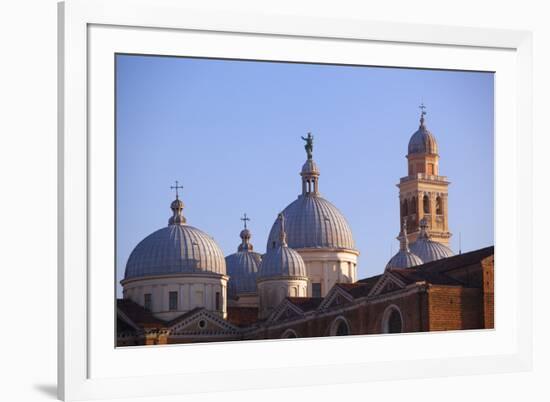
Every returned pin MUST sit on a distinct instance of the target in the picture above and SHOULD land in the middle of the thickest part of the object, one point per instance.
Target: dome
(429, 250)
(176, 249)
(310, 167)
(404, 258)
(313, 222)
(281, 260)
(422, 141)
(242, 266)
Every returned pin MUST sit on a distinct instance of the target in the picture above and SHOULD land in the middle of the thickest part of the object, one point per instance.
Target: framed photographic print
(262, 194)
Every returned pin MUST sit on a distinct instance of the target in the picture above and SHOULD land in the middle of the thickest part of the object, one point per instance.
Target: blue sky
(229, 131)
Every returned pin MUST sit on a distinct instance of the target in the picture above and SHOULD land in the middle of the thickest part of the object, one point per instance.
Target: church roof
(404, 258)
(137, 314)
(282, 260)
(242, 316)
(306, 303)
(175, 249)
(429, 250)
(242, 266)
(313, 222)
(422, 141)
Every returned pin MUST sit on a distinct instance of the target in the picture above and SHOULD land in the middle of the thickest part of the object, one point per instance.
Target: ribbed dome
(310, 167)
(281, 260)
(404, 258)
(422, 141)
(242, 268)
(175, 249)
(429, 250)
(313, 222)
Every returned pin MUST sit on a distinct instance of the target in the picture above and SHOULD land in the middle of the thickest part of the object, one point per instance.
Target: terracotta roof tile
(306, 303)
(242, 316)
(138, 314)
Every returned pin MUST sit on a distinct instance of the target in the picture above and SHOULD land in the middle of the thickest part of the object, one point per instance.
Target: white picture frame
(90, 31)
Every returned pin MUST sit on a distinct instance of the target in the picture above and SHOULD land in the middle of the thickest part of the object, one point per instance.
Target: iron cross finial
(244, 219)
(176, 187)
(423, 108)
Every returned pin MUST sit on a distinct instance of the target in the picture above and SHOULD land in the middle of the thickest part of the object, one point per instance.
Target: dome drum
(175, 269)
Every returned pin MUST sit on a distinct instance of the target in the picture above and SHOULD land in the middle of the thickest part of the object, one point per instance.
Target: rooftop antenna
(459, 242)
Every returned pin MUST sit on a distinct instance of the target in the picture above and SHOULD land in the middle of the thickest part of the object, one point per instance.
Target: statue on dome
(309, 145)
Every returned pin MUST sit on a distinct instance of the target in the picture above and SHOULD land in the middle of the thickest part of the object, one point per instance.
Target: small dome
(429, 250)
(310, 168)
(175, 249)
(242, 268)
(313, 222)
(404, 258)
(422, 141)
(281, 260)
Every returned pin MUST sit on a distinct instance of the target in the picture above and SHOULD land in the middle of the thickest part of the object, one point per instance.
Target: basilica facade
(179, 288)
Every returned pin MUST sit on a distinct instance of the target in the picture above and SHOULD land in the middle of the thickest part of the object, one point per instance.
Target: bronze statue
(309, 145)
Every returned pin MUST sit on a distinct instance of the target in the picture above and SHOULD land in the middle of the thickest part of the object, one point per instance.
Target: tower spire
(403, 239)
(282, 233)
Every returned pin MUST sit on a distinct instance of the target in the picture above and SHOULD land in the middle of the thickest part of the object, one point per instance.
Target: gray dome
(429, 250)
(313, 222)
(281, 260)
(242, 268)
(310, 167)
(422, 141)
(176, 249)
(404, 259)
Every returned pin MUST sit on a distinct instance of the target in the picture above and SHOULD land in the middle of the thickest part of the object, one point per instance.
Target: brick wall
(453, 308)
(488, 268)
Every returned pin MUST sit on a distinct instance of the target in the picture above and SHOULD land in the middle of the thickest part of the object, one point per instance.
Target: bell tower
(423, 193)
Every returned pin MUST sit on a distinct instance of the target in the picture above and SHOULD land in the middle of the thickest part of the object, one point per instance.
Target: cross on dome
(245, 219)
(176, 187)
(422, 107)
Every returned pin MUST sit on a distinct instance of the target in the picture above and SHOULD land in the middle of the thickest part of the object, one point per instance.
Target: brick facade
(455, 293)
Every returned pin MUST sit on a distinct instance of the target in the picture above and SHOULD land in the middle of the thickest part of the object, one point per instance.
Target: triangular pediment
(335, 297)
(202, 322)
(386, 284)
(285, 311)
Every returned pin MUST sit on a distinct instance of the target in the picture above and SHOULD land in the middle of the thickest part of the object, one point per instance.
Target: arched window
(413, 205)
(340, 327)
(438, 206)
(426, 202)
(392, 320)
(289, 333)
(404, 208)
